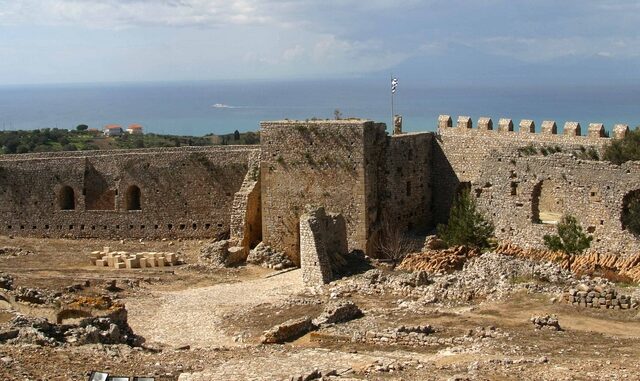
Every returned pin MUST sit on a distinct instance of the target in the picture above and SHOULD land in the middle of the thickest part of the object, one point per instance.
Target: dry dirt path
(194, 316)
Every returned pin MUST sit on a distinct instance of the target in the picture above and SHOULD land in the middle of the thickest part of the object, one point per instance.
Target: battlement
(548, 129)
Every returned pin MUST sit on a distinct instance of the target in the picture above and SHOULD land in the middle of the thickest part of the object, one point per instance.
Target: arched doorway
(66, 198)
(546, 206)
(132, 198)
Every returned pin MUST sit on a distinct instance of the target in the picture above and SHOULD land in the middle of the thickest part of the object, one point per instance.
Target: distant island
(84, 139)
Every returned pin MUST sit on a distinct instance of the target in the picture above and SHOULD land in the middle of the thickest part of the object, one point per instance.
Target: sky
(439, 41)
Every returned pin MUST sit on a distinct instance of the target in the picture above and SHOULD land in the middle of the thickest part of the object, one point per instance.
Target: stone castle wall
(406, 189)
(331, 164)
(172, 192)
(525, 181)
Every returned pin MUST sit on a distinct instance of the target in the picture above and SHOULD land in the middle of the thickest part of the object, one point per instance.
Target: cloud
(132, 13)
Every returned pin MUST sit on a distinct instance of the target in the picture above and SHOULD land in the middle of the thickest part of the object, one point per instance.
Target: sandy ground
(208, 310)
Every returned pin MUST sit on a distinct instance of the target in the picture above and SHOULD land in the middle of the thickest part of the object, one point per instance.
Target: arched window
(546, 207)
(66, 198)
(132, 198)
(630, 216)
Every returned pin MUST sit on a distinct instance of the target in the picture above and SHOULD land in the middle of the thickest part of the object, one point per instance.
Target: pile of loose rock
(423, 336)
(334, 312)
(109, 327)
(266, 256)
(598, 293)
(439, 261)
(549, 322)
(222, 254)
(490, 275)
(11, 251)
(123, 259)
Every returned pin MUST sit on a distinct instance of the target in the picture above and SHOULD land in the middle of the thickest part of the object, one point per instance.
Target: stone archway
(66, 198)
(546, 205)
(133, 198)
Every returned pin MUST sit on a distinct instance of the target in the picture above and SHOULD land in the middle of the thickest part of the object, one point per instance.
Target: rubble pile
(439, 261)
(124, 259)
(109, 327)
(6, 281)
(423, 336)
(549, 322)
(289, 330)
(266, 256)
(489, 275)
(585, 263)
(598, 293)
(12, 251)
(337, 312)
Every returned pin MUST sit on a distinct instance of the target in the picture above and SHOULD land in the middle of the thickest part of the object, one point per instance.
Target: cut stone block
(132, 263)
(119, 265)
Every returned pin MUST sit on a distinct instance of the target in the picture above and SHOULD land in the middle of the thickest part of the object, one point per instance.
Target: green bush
(570, 239)
(623, 150)
(631, 213)
(466, 225)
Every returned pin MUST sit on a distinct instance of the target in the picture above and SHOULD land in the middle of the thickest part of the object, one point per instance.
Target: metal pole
(392, 113)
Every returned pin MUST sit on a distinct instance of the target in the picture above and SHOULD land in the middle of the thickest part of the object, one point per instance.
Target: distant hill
(53, 140)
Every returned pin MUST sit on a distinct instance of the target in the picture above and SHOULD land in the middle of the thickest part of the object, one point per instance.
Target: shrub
(570, 239)
(623, 150)
(631, 213)
(466, 225)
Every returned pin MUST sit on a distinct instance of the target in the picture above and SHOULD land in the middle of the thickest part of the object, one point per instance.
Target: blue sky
(440, 41)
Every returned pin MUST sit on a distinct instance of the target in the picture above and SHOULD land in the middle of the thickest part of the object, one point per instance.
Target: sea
(220, 107)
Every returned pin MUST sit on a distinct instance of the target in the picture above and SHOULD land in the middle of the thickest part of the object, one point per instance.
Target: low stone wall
(597, 296)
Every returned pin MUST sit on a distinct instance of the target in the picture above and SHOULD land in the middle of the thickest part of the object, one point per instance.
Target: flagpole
(392, 113)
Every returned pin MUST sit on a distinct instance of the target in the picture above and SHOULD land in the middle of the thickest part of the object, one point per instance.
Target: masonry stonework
(177, 192)
(524, 182)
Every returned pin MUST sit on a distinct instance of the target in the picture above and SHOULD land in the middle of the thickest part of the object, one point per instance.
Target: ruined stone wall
(462, 150)
(172, 192)
(246, 214)
(406, 181)
(326, 163)
(524, 196)
(322, 237)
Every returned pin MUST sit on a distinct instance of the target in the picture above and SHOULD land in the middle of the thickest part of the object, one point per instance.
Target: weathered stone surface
(338, 312)
(287, 331)
(323, 244)
(265, 256)
(546, 322)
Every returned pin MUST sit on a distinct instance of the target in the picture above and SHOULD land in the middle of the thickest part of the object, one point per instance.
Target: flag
(394, 85)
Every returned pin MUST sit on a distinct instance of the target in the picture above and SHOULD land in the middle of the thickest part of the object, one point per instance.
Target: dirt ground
(207, 323)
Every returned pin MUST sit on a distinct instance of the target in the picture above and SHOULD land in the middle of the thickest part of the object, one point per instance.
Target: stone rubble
(490, 275)
(12, 251)
(287, 331)
(549, 322)
(337, 312)
(108, 329)
(598, 293)
(267, 257)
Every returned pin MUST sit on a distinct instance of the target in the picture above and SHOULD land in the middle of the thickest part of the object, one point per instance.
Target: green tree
(570, 239)
(623, 150)
(236, 135)
(631, 213)
(466, 226)
(82, 127)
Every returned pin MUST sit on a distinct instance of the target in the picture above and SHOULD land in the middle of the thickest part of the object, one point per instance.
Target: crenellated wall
(179, 192)
(525, 181)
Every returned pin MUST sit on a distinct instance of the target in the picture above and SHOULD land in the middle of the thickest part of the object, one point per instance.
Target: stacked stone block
(124, 259)
(602, 297)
